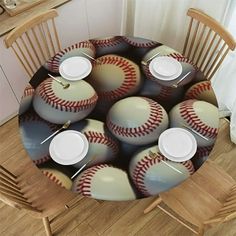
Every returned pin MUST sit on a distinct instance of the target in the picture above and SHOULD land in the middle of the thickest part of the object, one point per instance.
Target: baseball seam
(182, 58)
(129, 81)
(42, 160)
(83, 186)
(143, 165)
(29, 91)
(101, 138)
(103, 43)
(203, 151)
(198, 89)
(54, 63)
(48, 95)
(189, 115)
(154, 120)
(53, 178)
(140, 44)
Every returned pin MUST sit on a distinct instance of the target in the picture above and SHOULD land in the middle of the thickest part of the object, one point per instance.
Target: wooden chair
(207, 42)
(30, 190)
(208, 197)
(35, 41)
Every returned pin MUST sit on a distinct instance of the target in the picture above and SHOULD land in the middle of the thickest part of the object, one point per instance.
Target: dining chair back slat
(203, 43)
(35, 41)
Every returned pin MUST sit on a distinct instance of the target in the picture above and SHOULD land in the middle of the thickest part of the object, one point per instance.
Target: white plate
(68, 147)
(165, 68)
(177, 144)
(75, 68)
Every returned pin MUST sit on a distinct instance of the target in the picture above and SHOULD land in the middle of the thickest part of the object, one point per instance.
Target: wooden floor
(91, 218)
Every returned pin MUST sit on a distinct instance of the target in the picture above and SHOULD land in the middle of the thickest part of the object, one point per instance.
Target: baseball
(58, 105)
(58, 177)
(114, 77)
(32, 127)
(201, 118)
(137, 120)
(26, 99)
(160, 93)
(140, 42)
(75, 50)
(202, 91)
(103, 147)
(109, 45)
(201, 156)
(152, 173)
(104, 182)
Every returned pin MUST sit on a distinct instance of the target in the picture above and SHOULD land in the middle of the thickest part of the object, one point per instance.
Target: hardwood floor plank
(108, 213)
(83, 229)
(132, 221)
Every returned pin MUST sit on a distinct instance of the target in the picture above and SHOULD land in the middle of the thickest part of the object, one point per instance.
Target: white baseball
(137, 120)
(104, 182)
(55, 104)
(26, 99)
(75, 50)
(115, 77)
(33, 131)
(58, 177)
(103, 147)
(108, 45)
(153, 174)
(159, 92)
(202, 91)
(140, 42)
(200, 116)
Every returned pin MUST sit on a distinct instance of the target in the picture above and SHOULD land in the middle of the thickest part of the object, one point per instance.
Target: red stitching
(143, 165)
(42, 160)
(53, 178)
(130, 77)
(189, 115)
(147, 44)
(203, 151)
(181, 58)
(48, 95)
(29, 91)
(54, 63)
(83, 186)
(155, 119)
(101, 138)
(109, 42)
(197, 89)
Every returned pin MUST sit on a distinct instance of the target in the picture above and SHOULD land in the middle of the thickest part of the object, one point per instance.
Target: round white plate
(68, 147)
(177, 144)
(165, 68)
(75, 68)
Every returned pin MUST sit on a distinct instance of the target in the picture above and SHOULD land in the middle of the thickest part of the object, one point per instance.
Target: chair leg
(201, 231)
(152, 205)
(47, 226)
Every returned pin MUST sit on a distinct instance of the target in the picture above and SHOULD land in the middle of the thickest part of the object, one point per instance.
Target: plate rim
(63, 162)
(161, 77)
(172, 158)
(75, 78)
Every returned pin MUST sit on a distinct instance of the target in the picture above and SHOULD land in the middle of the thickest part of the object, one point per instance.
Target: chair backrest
(35, 41)
(31, 190)
(207, 42)
(11, 192)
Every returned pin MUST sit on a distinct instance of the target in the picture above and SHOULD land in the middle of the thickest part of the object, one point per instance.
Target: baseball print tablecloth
(122, 108)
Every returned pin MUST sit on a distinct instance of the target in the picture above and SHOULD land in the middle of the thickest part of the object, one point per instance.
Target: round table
(123, 163)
